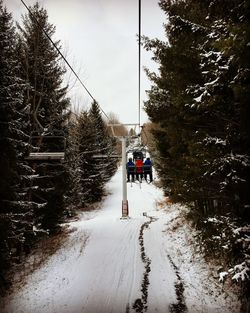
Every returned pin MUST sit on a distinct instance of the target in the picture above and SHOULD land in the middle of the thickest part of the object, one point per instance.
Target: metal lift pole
(124, 180)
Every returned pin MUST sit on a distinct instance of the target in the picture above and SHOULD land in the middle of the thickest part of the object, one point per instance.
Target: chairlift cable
(76, 75)
(58, 50)
(139, 64)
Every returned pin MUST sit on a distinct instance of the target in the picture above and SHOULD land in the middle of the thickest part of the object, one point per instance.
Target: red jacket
(139, 166)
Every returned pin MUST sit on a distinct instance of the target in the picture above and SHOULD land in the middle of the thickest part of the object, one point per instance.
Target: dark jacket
(147, 162)
(130, 166)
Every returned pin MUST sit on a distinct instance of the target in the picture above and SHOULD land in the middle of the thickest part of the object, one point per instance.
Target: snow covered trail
(106, 275)
(114, 265)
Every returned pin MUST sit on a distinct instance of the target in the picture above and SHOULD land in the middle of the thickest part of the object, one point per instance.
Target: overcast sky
(99, 40)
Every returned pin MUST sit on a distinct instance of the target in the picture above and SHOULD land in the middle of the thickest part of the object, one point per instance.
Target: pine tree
(74, 196)
(104, 143)
(179, 68)
(199, 103)
(16, 209)
(8, 115)
(42, 71)
(8, 103)
(91, 184)
(90, 146)
(43, 74)
(194, 102)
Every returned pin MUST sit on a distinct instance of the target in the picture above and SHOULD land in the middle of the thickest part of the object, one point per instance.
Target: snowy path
(112, 265)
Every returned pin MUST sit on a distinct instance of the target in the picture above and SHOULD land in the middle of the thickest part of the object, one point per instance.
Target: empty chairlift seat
(47, 147)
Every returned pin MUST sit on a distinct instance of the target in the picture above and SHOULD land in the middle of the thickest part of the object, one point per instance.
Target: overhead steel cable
(65, 60)
(139, 69)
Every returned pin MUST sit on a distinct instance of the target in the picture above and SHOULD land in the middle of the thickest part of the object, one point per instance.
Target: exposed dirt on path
(180, 306)
(140, 304)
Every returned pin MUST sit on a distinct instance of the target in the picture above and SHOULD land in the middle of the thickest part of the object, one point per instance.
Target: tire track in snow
(140, 304)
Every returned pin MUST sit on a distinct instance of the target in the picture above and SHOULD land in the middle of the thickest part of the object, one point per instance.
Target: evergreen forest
(198, 135)
(37, 195)
(199, 108)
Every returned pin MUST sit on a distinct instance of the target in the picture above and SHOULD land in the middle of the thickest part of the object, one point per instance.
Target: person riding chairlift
(130, 170)
(139, 169)
(148, 169)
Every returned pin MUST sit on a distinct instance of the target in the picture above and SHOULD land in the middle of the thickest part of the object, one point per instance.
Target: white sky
(99, 40)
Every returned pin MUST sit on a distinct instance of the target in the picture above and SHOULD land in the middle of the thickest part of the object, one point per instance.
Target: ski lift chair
(138, 155)
(47, 146)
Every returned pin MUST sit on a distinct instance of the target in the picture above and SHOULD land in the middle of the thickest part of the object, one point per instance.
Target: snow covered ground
(111, 265)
